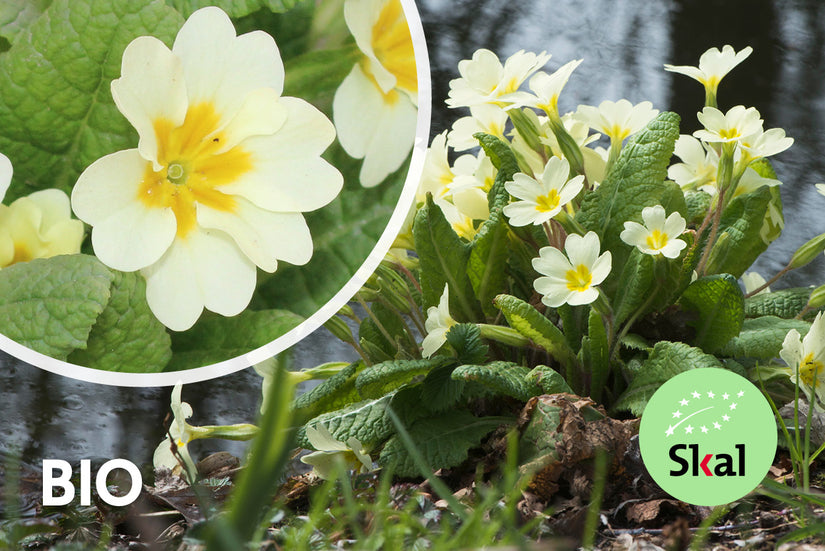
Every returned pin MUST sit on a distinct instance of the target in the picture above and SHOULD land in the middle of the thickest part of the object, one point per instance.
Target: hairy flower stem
(771, 281)
(374, 318)
(412, 346)
(614, 347)
(726, 182)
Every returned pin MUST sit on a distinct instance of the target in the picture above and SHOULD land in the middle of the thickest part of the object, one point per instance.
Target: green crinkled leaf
(216, 338)
(489, 249)
(698, 203)
(500, 155)
(486, 264)
(16, 15)
(126, 336)
(385, 377)
(548, 380)
(465, 338)
(56, 111)
(367, 421)
(719, 303)
(529, 322)
(502, 377)
(335, 393)
(51, 304)
(443, 259)
(738, 242)
(599, 361)
(786, 303)
(762, 338)
(667, 360)
(439, 392)
(636, 181)
(343, 235)
(635, 342)
(443, 441)
(235, 8)
(635, 285)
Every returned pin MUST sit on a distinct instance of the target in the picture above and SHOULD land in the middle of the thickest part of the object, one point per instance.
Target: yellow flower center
(579, 279)
(465, 228)
(511, 87)
(22, 253)
(729, 133)
(546, 203)
(194, 166)
(618, 132)
(656, 240)
(809, 369)
(392, 44)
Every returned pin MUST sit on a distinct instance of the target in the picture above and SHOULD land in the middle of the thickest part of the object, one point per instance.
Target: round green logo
(708, 436)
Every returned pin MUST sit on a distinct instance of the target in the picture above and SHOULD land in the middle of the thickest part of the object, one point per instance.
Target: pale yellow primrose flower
(713, 66)
(375, 107)
(182, 433)
(764, 144)
(617, 120)
(699, 166)
(820, 188)
(807, 358)
(659, 235)
(753, 281)
(472, 172)
(39, 225)
(330, 450)
(487, 118)
(751, 181)
(485, 80)
(547, 89)
(223, 170)
(468, 205)
(542, 199)
(572, 278)
(734, 126)
(438, 323)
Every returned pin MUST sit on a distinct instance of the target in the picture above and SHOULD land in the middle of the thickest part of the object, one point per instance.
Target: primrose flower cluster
(563, 157)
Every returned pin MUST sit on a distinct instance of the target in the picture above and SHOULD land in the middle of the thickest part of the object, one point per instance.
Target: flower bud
(817, 298)
(807, 252)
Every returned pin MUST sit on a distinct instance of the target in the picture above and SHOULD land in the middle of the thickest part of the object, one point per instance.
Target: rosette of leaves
(656, 318)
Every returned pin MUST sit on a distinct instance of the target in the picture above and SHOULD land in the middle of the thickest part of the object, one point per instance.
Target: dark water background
(624, 44)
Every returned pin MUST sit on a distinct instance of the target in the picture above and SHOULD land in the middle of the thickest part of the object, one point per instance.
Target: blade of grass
(591, 522)
(258, 481)
(701, 535)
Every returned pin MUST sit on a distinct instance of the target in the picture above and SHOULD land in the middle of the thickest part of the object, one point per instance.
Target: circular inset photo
(189, 189)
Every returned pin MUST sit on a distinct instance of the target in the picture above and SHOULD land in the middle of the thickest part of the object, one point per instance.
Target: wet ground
(624, 44)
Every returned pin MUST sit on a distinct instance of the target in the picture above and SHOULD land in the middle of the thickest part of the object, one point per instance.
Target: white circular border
(405, 201)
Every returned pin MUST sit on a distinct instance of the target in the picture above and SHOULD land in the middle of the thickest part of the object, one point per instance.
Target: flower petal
(264, 236)
(217, 275)
(212, 54)
(378, 128)
(261, 114)
(151, 88)
(6, 171)
(289, 175)
(127, 235)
